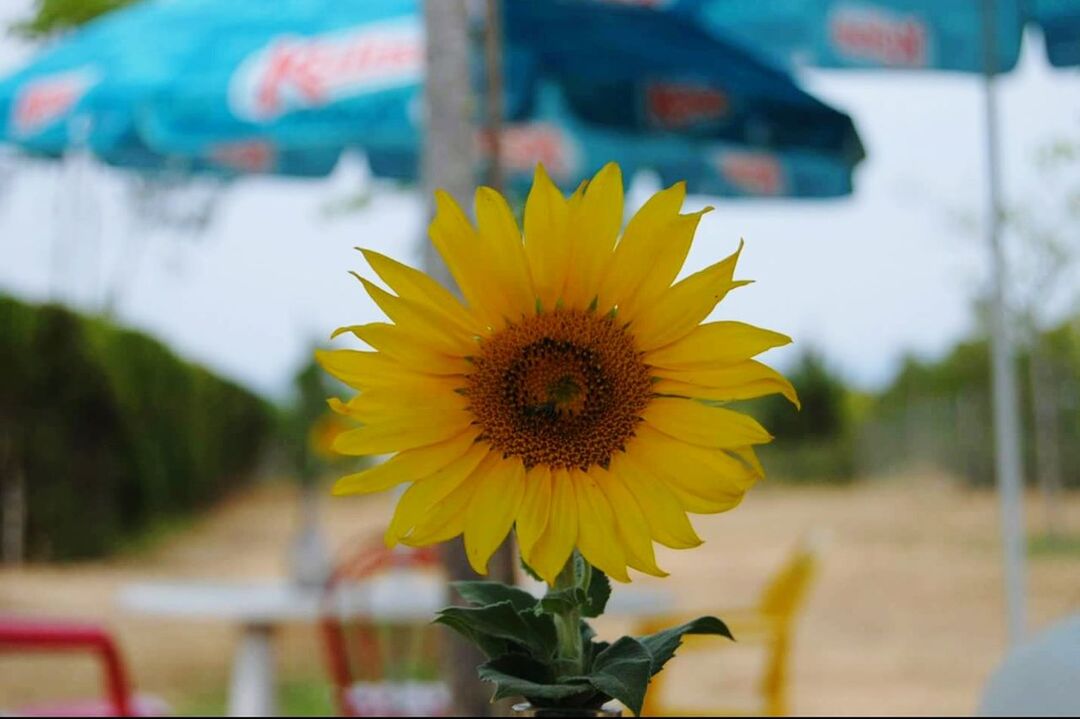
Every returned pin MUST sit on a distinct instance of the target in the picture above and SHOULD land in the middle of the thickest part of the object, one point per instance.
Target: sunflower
(574, 394)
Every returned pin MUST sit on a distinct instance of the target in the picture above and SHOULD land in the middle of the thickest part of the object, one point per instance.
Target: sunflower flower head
(573, 394)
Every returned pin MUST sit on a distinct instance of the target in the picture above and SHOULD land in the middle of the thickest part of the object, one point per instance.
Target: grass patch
(1046, 545)
(296, 698)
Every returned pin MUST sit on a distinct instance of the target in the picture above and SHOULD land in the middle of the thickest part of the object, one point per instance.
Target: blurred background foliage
(55, 16)
(108, 434)
(105, 432)
(935, 414)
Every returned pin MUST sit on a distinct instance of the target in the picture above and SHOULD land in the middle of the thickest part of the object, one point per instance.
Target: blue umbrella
(902, 34)
(1060, 23)
(621, 68)
(572, 149)
(330, 75)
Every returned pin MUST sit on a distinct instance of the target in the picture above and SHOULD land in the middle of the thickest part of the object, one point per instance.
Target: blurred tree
(1047, 229)
(104, 431)
(812, 444)
(823, 395)
(55, 16)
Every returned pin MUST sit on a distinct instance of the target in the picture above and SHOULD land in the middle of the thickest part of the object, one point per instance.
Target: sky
(865, 279)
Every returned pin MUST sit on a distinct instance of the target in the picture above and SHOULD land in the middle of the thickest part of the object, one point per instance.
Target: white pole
(1003, 365)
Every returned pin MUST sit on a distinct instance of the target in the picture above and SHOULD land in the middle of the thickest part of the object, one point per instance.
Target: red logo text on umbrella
(294, 73)
(755, 173)
(525, 145)
(871, 34)
(678, 106)
(44, 100)
(252, 156)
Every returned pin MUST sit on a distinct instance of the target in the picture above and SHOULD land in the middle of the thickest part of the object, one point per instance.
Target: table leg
(252, 685)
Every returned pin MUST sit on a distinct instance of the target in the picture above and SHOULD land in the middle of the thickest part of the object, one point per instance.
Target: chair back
(380, 668)
(19, 634)
(787, 590)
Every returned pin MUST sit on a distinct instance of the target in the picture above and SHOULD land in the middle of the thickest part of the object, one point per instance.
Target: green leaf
(558, 601)
(592, 649)
(490, 646)
(662, 645)
(516, 675)
(622, 672)
(599, 592)
(485, 593)
(534, 633)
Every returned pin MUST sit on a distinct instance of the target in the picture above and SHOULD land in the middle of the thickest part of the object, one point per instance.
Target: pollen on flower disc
(562, 389)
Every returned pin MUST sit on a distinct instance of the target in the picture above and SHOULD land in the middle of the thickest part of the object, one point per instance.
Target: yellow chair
(768, 624)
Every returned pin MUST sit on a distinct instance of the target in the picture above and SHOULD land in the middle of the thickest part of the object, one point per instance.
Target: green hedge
(112, 431)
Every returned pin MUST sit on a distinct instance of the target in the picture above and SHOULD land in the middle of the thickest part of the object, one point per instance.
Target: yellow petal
(551, 551)
(593, 226)
(365, 369)
(505, 257)
(399, 433)
(532, 518)
(407, 466)
(419, 499)
(667, 519)
(547, 245)
(457, 242)
(446, 519)
(646, 239)
(630, 521)
(375, 405)
(598, 538)
(397, 344)
(747, 456)
(696, 423)
(493, 508)
(682, 307)
(705, 481)
(745, 380)
(419, 320)
(418, 287)
(716, 343)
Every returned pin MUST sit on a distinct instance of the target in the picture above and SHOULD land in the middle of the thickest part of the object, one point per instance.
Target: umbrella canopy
(901, 34)
(1060, 23)
(572, 149)
(244, 80)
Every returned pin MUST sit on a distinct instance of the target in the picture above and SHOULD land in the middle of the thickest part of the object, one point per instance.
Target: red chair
(381, 669)
(23, 635)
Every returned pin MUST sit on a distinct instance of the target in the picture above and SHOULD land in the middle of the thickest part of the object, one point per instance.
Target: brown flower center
(563, 388)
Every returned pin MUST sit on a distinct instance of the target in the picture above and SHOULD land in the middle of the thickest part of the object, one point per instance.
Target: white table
(404, 596)
(258, 608)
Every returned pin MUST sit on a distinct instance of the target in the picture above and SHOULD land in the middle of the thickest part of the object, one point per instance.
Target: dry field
(906, 617)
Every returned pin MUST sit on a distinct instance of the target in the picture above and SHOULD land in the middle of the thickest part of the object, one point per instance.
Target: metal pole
(1003, 365)
(449, 164)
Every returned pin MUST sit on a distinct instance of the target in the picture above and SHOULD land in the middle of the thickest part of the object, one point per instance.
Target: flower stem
(570, 660)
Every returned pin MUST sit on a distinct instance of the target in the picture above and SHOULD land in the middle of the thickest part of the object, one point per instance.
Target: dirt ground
(905, 618)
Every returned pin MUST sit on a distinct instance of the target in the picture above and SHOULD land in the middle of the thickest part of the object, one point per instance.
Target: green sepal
(557, 601)
(529, 570)
(598, 593)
